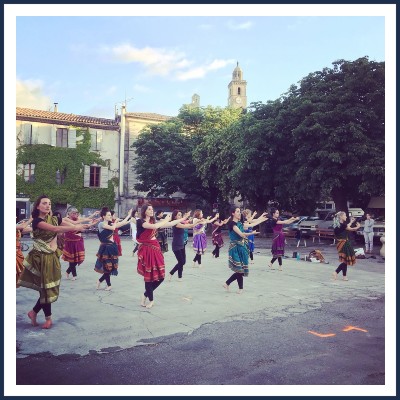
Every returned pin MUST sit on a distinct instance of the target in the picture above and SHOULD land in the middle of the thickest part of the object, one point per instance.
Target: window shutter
(86, 176)
(20, 170)
(99, 139)
(93, 140)
(53, 140)
(27, 129)
(72, 138)
(104, 177)
(35, 135)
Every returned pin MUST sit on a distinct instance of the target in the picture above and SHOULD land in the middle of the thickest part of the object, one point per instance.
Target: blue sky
(88, 64)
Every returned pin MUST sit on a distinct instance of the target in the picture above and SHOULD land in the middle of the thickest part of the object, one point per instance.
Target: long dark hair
(104, 211)
(174, 214)
(143, 213)
(35, 212)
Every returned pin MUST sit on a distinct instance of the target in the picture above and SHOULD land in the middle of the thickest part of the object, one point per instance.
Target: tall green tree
(340, 141)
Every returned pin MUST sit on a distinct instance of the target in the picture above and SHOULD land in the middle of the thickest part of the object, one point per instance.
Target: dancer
(42, 264)
(133, 222)
(199, 235)
(238, 260)
(178, 242)
(343, 245)
(247, 218)
(150, 258)
(71, 243)
(116, 237)
(369, 233)
(278, 238)
(161, 236)
(22, 227)
(217, 239)
(107, 256)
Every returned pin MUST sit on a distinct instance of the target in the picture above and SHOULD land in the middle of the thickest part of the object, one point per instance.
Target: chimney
(55, 107)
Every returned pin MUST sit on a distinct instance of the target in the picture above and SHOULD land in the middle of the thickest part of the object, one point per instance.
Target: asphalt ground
(292, 327)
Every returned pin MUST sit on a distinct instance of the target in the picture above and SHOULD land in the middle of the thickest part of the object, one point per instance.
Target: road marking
(353, 328)
(323, 335)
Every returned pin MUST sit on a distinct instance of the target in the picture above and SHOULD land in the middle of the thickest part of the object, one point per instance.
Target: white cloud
(200, 72)
(30, 95)
(205, 27)
(162, 62)
(239, 26)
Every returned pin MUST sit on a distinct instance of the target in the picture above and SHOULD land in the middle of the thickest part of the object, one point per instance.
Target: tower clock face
(238, 100)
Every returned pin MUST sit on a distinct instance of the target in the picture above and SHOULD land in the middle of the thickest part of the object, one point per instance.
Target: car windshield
(311, 219)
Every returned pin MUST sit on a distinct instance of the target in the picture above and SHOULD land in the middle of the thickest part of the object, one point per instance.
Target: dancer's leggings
(197, 258)
(342, 267)
(181, 258)
(236, 276)
(136, 248)
(279, 260)
(45, 307)
(251, 255)
(107, 278)
(150, 287)
(72, 268)
(216, 251)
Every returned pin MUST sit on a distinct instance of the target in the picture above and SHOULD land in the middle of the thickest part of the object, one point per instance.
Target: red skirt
(74, 249)
(151, 261)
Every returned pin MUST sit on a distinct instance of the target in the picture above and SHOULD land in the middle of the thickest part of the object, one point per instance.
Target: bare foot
(74, 278)
(179, 279)
(143, 301)
(32, 315)
(108, 288)
(48, 323)
(169, 278)
(98, 283)
(280, 268)
(226, 287)
(240, 291)
(194, 264)
(151, 304)
(345, 278)
(270, 266)
(67, 275)
(334, 276)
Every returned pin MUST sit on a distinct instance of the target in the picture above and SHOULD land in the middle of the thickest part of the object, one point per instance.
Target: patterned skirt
(346, 252)
(200, 243)
(42, 272)
(238, 260)
(74, 250)
(20, 260)
(217, 239)
(107, 259)
(278, 245)
(151, 262)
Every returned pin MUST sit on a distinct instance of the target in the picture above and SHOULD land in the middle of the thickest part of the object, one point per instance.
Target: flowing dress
(343, 245)
(199, 239)
(151, 263)
(107, 255)
(74, 249)
(42, 270)
(117, 240)
(217, 239)
(20, 256)
(250, 239)
(238, 259)
(278, 240)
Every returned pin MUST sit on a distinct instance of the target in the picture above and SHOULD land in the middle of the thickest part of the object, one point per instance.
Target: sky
(89, 59)
(90, 64)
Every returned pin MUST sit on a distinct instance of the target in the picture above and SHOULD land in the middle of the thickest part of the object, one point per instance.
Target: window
(29, 173)
(60, 176)
(95, 176)
(239, 91)
(97, 138)
(62, 137)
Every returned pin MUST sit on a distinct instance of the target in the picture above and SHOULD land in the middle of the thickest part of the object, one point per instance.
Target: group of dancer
(41, 270)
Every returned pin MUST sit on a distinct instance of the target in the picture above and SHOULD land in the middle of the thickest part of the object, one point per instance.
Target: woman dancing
(22, 227)
(217, 239)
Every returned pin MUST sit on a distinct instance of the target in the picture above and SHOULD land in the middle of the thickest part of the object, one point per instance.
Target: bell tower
(237, 97)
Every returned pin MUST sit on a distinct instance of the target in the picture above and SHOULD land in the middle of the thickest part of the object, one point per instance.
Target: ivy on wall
(48, 159)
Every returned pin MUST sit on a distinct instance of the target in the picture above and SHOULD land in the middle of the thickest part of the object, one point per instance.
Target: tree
(340, 141)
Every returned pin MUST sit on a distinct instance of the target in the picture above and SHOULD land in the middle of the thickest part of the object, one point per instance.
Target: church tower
(195, 101)
(237, 97)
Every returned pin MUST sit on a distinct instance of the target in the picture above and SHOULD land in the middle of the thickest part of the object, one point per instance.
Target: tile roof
(151, 116)
(29, 114)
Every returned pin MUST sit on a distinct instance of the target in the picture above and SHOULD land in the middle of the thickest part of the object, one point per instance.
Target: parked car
(294, 226)
(309, 225)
